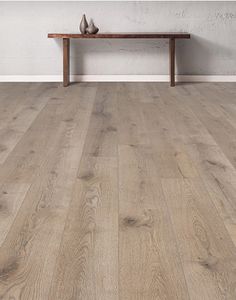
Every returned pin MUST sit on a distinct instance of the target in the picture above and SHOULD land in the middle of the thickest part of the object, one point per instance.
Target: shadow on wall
(101, 52)
(197, 54)
(194, 54)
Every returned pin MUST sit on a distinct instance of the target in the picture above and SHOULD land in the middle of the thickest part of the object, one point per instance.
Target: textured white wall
(25, 49)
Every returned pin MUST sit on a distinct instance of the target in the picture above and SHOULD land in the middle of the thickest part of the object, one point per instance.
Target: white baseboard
(120, 78)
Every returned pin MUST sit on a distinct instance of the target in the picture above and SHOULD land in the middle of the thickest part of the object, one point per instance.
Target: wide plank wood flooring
(118, 191)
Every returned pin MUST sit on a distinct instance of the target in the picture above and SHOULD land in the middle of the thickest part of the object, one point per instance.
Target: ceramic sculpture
(83, 25)
(92, 29)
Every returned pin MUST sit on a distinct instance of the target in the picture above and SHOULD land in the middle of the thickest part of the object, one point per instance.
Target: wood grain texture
(172, 61)
(87, 265)
(18, 114)
(117, 191)
(134, 35)
(149, 264)
(206, 250)
(66, 62)
(212, 162)
(27, 254)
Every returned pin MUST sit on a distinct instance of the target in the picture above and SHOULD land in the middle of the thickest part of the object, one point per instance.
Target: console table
(165, 35)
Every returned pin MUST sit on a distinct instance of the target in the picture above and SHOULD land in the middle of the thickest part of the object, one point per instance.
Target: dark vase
(92, 29)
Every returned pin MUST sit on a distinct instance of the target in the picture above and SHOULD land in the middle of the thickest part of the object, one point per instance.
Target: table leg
(172, 61)
(66, 61)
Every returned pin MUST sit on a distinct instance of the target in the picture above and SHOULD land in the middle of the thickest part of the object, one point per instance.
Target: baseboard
(128, 78)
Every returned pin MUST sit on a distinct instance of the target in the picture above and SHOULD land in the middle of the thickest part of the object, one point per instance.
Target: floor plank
(87, 264)
(207, 252)
(149, 263)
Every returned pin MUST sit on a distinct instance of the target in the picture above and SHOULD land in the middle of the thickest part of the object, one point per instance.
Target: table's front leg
(66, 61)
(172, 61)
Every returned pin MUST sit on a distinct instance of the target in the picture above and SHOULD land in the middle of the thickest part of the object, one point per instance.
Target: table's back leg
(172, 61)
(66, 61)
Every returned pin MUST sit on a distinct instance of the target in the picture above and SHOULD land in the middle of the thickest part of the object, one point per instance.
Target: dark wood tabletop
(134, 35)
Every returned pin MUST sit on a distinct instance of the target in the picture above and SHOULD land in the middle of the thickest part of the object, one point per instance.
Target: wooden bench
(165, 35)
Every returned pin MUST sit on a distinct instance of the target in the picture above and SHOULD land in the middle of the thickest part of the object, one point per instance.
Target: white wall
(25, 49)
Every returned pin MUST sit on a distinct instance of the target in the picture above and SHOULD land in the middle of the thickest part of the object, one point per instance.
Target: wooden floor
(118, 191)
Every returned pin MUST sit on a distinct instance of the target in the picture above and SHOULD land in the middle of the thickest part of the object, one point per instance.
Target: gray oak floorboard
(87, 264)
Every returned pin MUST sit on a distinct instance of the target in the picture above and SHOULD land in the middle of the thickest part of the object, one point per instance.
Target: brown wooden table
(172, 36)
